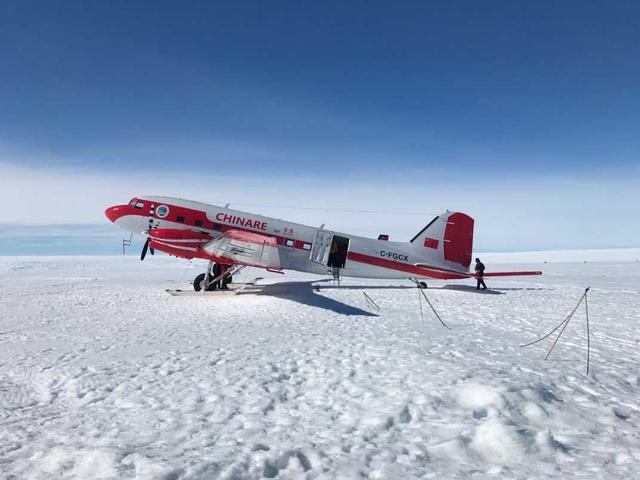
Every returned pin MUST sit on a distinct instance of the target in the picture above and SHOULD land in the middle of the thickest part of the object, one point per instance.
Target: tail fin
(448, 236)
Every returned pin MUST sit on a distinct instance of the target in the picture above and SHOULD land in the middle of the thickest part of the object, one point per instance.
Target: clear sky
(524, 114)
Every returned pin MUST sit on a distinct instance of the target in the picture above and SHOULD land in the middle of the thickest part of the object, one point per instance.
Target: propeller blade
(144, 249)
(152, 251)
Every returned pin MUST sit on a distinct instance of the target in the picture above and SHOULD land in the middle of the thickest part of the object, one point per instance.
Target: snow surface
(104, 375)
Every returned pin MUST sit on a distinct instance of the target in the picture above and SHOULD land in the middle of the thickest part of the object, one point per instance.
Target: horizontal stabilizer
(510, 274)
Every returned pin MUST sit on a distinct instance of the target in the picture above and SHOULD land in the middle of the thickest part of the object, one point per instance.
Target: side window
(180, 219)
(139, 204)
(288, 242)
(198, 223)
(306, 246)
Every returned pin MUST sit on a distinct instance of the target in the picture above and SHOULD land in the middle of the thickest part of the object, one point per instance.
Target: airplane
(235, 239)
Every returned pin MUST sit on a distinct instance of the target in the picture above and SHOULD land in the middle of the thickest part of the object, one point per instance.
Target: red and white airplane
(188, 229)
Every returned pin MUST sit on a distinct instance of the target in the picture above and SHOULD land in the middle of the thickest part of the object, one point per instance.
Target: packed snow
(105, 375)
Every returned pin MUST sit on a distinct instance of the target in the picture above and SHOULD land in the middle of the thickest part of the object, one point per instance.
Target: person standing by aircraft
(216, 272)
(226, 279)
(480, 274)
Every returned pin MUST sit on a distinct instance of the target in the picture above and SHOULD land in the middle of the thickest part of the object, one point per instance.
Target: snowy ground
(104, 375)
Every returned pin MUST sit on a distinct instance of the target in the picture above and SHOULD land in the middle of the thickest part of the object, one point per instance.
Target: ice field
(104, 375)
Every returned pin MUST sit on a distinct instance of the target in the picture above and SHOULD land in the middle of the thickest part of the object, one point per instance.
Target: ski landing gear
(419, 283)
(213, 279)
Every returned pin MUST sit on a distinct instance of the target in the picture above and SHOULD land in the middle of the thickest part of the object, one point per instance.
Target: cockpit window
(133, 202)
(139, 204)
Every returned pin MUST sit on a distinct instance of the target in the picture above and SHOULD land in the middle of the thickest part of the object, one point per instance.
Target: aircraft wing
(433, 272)
(510, 274)
(245, 248)
(422, 270)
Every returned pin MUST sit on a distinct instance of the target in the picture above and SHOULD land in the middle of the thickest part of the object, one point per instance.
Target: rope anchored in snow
(370, 301)
(564, 324)
(586, 312)
(421, 290)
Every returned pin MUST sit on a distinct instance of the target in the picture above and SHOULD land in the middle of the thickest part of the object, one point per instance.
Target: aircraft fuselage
(300, 247)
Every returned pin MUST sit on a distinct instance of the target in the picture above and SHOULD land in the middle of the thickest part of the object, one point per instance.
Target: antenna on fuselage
(227, 205)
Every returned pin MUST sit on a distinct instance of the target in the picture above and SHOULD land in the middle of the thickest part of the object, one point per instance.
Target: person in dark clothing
(480, 274)
(215, 273)
(227, 279)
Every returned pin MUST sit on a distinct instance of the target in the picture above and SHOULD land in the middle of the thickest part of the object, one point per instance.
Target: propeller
(145, 248)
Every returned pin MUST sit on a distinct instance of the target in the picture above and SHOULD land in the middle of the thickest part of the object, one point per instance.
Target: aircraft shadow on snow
(303, 292)
(368, 287)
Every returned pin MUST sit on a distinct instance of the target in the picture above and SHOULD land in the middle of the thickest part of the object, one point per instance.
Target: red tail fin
(458, 239)
(449, 237)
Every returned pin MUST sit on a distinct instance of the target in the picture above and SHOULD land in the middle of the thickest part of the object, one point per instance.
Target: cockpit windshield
(136, 203)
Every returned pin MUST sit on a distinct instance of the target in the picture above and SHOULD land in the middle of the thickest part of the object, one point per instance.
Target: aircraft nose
(114, 213)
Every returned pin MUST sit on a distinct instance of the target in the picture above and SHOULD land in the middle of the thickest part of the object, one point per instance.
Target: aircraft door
(329, 249)
(338, 252)
(321, 248)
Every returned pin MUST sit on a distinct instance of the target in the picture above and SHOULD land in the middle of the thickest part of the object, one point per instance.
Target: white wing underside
(246, 248)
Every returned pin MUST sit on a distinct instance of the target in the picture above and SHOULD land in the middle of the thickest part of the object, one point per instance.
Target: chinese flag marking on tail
(431, 242)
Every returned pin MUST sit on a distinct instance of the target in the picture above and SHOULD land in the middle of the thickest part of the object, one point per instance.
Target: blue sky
(466, 95)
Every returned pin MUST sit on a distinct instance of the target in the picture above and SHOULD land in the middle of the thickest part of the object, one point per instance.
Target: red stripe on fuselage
(404, 267)
(190, 215)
